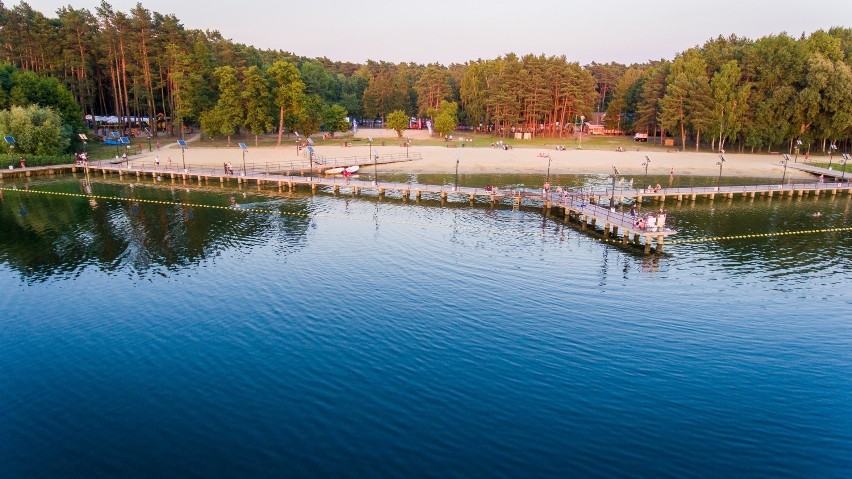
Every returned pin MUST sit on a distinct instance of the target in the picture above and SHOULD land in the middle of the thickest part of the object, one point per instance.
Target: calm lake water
(146, 333)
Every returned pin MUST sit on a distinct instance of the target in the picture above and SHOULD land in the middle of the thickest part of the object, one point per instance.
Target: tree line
(728, 93)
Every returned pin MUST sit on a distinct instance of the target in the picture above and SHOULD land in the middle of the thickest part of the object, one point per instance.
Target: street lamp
(244, 148)
(582, 123)
(407, 144)
(784, 162)
(149, 143)
(375, 162)
(615, 174)
(456, 187)
(720, 163)
(831, 150)
(796, 148)
(843, 162)
(542, 155)
(647, 162)
(183, 147)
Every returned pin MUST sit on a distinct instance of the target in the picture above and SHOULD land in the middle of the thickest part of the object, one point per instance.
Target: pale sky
(447, 32)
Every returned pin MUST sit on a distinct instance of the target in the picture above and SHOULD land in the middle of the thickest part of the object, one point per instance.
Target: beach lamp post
(183, 148)
(843, 162)
(542, 155)
(831, 149)
(647, 162)
(297, 142)
(456, 184)
(615, 174)
(375, 160)
(311, 160)
(784, 162)
(10, 140)
(582, 124)
(719, 164)
(244, 148)
(407, 144)
(149, 142)
(796, 149)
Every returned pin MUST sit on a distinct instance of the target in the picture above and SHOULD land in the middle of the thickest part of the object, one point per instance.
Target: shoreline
(519, 160)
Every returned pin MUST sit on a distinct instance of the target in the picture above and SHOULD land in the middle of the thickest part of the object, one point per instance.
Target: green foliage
(310, 117)
(256, 99)
(36, 130)
(105, 61)
(334, 118)
(288, 92)
(397, 121)
(229, 113)
(445, 117)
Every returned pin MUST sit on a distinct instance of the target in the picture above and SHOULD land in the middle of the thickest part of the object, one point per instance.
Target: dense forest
(730, 92)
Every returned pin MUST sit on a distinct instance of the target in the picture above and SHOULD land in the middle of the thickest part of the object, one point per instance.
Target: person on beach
(157, 161)
(633, 210)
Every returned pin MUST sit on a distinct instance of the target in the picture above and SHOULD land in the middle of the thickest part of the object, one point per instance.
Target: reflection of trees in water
(60, 235)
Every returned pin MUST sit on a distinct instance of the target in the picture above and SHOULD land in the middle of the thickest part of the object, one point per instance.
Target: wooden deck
(590, 209)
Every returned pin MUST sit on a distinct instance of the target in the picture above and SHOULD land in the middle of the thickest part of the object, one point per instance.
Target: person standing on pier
(23, 163)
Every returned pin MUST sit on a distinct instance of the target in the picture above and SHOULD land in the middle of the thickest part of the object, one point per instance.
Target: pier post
(660, 241)
(472, 198)
(336, 189)
(693, 197)
(418, 194)
(443, 195)
(313, 187)
(606, 231)
(647, 245)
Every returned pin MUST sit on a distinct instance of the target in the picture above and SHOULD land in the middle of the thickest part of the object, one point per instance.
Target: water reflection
(118, 225)
(145, 228)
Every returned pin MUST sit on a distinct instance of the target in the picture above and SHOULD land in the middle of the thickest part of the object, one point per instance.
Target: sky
(445, 31)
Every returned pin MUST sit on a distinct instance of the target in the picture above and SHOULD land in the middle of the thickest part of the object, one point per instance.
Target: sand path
(440, 159)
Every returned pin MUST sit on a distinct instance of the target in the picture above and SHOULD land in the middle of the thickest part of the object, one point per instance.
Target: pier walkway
(591, 208)
(816, 170)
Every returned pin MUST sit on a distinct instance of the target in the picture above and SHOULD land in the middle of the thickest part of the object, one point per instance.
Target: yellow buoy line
(409, 223)
(232, 208)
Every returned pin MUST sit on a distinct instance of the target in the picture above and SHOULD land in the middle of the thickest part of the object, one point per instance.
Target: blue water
(357, 337)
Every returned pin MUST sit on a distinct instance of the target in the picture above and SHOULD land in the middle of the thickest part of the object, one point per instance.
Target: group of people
(81, 159)
(654, 189)
(501, 145)
(229, 168)
(650, 222)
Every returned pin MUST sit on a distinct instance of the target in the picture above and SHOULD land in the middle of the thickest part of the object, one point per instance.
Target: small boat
(353, 169)
(334, 171)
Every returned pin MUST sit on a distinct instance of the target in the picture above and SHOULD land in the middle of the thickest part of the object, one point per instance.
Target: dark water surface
(350, 337)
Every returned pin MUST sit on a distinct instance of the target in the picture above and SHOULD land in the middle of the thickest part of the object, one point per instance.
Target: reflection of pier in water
(583, 207)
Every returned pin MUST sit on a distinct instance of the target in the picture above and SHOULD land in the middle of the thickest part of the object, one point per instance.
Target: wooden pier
(591, 209)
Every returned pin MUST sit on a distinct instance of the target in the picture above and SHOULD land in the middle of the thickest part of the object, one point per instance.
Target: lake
(151, 329)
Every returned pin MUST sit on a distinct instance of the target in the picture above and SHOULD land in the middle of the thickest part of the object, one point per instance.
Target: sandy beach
(518, 160)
